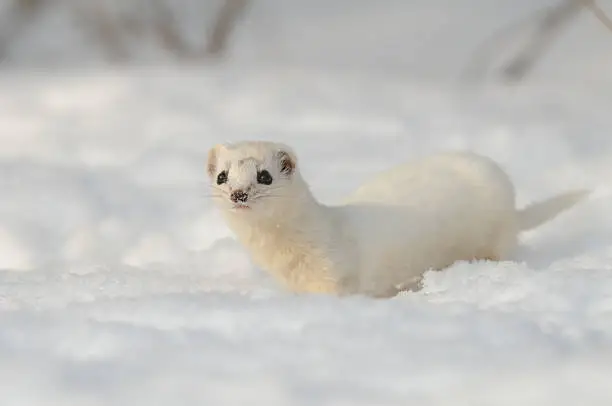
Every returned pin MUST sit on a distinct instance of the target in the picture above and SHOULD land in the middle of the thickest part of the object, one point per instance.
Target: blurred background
(510, 40)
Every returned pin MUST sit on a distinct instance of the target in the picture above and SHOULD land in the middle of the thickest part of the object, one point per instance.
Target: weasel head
(254, 179)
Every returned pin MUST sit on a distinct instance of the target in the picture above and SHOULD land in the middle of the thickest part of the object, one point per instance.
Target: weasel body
(421, 215)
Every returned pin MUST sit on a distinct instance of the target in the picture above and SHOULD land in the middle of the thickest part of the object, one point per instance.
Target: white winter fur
(422, 215)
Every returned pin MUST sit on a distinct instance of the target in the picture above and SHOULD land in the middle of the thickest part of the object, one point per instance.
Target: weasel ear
(287, 161)
(211, 164)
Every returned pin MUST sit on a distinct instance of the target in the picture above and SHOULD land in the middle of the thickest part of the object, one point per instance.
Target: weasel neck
(302, 220)
(296, 245)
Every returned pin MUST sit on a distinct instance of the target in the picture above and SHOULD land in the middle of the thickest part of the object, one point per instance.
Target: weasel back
(431, 180)
(439, 210)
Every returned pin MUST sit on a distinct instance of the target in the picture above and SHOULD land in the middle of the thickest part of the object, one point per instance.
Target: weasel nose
(239, 196)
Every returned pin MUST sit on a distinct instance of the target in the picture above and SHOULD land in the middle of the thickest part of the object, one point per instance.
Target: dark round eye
(222, 178)
(264, 177)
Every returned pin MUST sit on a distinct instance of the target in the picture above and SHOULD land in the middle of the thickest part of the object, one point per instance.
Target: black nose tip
(239, 196)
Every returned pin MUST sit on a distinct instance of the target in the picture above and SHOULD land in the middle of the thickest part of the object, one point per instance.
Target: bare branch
(599, 14)
(165, 27)
(481, 58)
(99, 21)
(549, 27)
(548, 24)
(225, 22)
(21, 12)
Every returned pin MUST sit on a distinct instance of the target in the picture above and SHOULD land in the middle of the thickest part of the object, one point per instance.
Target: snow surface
(120, 285)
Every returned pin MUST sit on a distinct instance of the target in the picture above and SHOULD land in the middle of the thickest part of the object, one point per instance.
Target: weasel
(421, 215)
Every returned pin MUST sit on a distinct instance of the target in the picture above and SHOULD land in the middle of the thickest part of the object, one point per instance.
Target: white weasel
(418, 216)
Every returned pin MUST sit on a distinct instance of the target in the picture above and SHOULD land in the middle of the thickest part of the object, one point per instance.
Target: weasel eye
(222, 178)
(264, 177)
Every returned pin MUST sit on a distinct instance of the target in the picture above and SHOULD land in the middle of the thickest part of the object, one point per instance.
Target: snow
(120, 284)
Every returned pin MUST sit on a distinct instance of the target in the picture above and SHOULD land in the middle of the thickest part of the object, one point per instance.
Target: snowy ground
(121, 286)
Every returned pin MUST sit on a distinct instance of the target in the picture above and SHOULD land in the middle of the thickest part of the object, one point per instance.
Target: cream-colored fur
(422, 215)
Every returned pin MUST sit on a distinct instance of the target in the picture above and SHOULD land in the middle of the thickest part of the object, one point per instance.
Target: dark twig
(21, 13)
(549, 23)
(550, 26)
(228, 15)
